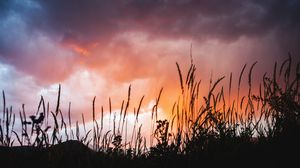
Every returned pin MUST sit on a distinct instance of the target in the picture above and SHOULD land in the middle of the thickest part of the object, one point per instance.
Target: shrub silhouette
(261, 126)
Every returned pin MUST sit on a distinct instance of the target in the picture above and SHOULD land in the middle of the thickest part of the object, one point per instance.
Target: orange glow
(80, 50)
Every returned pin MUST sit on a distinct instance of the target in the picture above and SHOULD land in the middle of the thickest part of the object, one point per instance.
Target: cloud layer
(123, 42)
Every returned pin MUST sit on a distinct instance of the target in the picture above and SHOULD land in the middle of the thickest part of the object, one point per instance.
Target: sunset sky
(100, 47)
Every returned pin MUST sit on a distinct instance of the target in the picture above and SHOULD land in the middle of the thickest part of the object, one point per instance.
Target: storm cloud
(180, 18)
(133, 39)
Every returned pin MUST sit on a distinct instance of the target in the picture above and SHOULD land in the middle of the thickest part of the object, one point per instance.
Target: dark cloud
(187, 18)
(36, 31)
(192, 19)
(3, 7)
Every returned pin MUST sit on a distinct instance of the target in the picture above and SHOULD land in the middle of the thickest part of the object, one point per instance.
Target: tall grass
(197, 125)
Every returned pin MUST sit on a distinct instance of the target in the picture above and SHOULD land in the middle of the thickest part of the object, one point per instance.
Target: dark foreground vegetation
(260, 129)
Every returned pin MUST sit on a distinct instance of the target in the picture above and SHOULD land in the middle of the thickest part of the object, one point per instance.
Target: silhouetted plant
(200, 127)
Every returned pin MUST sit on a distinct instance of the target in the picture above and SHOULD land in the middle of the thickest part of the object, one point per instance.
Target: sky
(100, 47)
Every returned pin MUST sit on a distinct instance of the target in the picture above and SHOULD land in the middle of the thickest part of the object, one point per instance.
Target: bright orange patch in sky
(79, 50)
